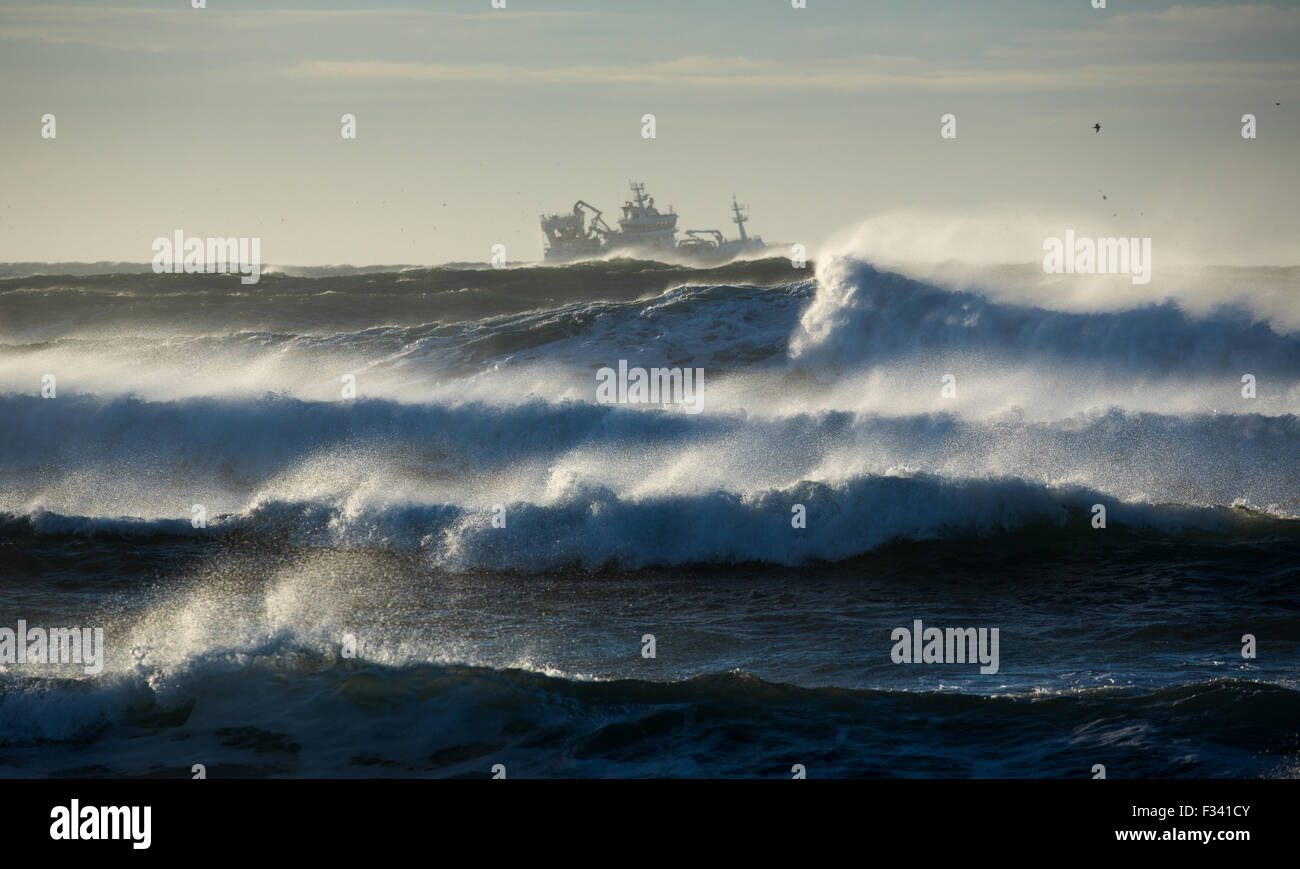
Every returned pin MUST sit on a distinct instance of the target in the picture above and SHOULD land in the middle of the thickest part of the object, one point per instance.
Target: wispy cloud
(1178, 45)
(174, 29)
(849, 74)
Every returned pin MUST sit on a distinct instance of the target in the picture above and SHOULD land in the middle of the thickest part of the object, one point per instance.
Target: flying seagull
(1096, 128)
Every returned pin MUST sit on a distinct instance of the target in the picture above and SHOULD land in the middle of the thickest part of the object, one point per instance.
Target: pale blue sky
(225, 121)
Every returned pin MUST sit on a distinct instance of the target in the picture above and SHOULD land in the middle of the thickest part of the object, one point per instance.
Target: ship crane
(698, 239)
(597, 223)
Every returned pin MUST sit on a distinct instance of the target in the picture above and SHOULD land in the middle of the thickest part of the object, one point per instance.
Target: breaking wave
(825, 393)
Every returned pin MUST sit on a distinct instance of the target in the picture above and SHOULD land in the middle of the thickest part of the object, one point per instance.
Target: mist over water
(475, 388)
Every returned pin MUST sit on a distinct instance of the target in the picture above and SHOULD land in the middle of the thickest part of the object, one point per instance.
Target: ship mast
(638, 189)
(740, 217)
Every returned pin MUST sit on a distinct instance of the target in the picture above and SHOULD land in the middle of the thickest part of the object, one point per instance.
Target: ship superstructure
(642, 225)
(568, 234)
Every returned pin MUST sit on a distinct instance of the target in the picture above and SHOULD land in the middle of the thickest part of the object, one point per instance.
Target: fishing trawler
(643, 231)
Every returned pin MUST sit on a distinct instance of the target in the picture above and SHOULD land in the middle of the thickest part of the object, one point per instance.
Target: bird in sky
(1096, 128)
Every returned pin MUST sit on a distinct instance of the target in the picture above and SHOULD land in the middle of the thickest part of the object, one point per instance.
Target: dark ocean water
(331, 522)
